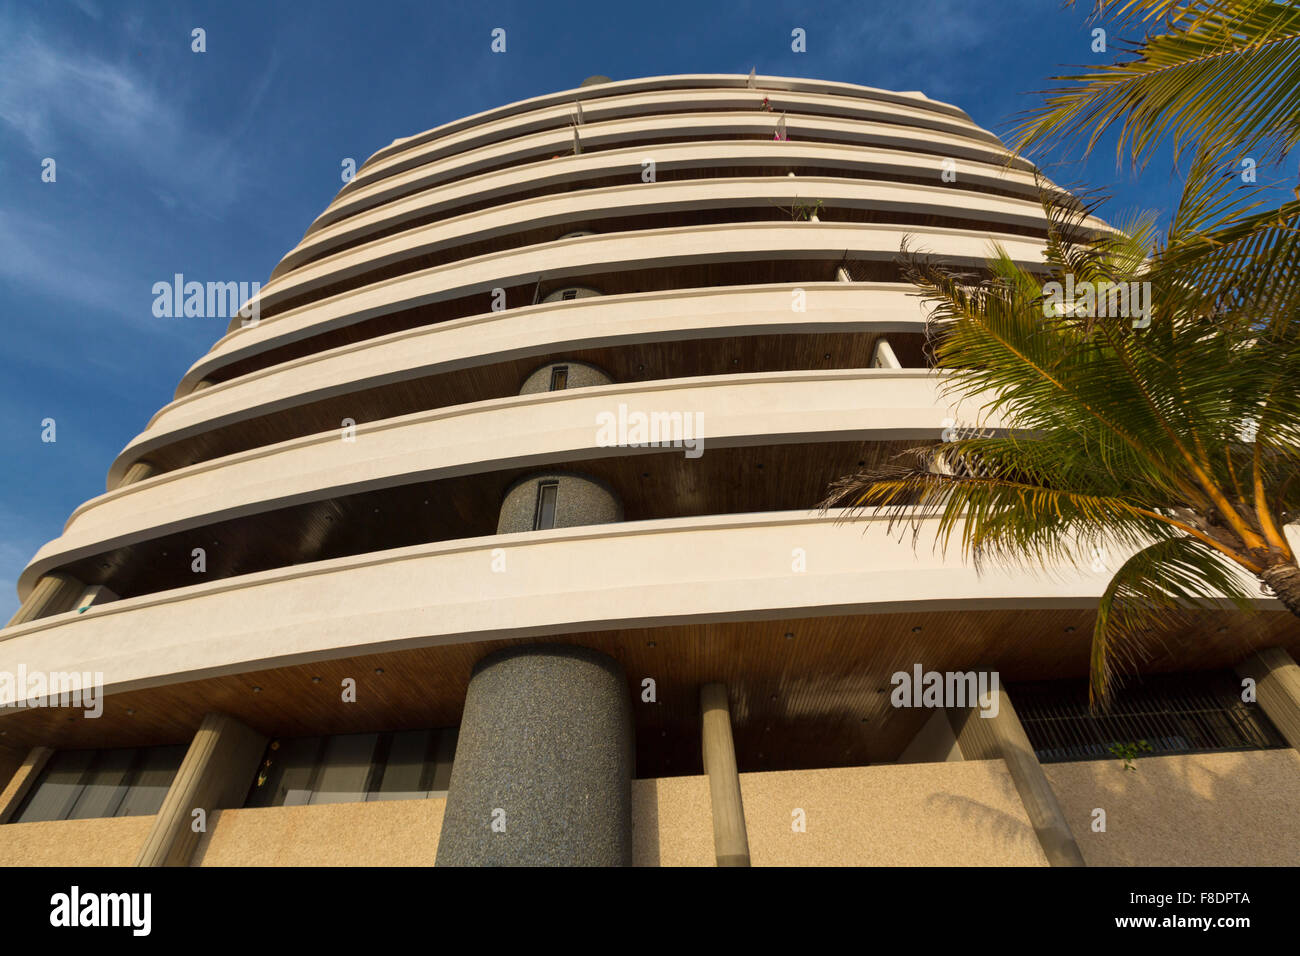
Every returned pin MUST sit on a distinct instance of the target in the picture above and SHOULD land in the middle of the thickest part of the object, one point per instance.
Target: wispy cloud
(47, 256)
(134, 155)
(57, 97)
(89, 9)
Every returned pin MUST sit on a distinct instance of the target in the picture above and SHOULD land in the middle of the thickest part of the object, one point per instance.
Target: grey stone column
(544, 761)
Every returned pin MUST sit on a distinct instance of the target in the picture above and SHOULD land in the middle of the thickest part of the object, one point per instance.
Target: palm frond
(1152, 590)
(1218, 77)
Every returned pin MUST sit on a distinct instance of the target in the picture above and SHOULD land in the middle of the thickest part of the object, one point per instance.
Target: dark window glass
(401, 776)
(285, 777)
(569, 294)
(345, 771)
(438, 771)
(153, 775)
(58, 788)
(559, 378)
(105, 786)
(352, 768)
(83, 784)
(545, 515)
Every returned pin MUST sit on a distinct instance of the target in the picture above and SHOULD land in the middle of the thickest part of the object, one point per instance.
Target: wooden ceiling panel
(819, 698)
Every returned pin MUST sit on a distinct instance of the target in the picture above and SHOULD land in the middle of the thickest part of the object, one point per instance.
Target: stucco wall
(934, 814)
(672, 822)
(1228, 809)
(107, 841)
(382, 833)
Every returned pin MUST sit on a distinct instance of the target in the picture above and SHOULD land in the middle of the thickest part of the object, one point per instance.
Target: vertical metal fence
(1175, 714)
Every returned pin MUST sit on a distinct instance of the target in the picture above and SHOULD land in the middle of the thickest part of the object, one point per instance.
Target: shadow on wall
(1004, 829)
(1210, 809)
(921, 814)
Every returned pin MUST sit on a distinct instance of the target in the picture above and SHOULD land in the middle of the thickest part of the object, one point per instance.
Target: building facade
(487, 535)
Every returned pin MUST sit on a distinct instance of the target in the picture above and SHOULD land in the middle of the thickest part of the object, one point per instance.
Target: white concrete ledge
(576, 257)
(673, 316)
(990, 212)
(648, 133)
(519, 431)
(668, 84)
(566, 172)
(638, 574)
(634, 98)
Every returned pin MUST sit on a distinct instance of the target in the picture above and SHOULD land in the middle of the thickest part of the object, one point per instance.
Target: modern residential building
(488, 535)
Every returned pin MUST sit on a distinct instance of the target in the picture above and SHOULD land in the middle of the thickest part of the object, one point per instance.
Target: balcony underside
(817, 699)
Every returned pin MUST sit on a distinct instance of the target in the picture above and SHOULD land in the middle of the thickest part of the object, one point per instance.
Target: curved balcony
(521, 431)
(731, 313)
(632, 575)
(649, 133)
(580, 257)
(517, 225)
(640, 98)
(561, 174)
(668, 84)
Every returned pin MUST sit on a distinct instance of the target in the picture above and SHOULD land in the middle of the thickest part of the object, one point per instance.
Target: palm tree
(1215, 76)
(1220, 80)
(1177, 440)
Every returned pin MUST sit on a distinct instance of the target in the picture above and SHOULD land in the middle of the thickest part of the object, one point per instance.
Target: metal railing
(1160, 715)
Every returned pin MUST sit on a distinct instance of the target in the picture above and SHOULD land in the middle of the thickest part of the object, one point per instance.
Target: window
(569, 294)
(354, 768)
(544, 516)
(559, 378)
(344, 774)
(81, 784)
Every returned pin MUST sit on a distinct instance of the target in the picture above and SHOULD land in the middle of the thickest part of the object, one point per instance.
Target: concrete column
(137, 472)
(216, 773)
(54, 593)
(20, 784)
(95, 594)
(884, 356)
(991, 738)
(543, 767)
(1277, 689)
(730, 840)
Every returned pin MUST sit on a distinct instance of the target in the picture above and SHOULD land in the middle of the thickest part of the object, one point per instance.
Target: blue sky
(213, 164)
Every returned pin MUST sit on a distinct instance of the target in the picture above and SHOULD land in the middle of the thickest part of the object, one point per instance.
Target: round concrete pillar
(572, 500)
(572, 291)
(572, 374)
(543, 767)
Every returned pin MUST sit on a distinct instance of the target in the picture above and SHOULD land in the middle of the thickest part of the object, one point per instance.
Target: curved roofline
(669, 81)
